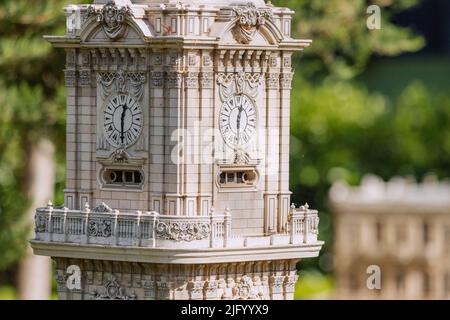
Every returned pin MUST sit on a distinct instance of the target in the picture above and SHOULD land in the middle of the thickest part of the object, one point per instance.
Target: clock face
(238, 120)
(122, 120)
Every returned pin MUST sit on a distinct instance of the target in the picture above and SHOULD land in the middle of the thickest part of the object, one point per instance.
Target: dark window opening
(123, 177)
(237, 178)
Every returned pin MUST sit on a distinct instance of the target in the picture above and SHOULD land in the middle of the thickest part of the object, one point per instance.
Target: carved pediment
(102, 207)
(112, 19)
(113, 23)
(249, 20)
(249, 25)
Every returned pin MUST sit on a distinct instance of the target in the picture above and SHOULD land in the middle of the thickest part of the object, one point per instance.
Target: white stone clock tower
(177, 153)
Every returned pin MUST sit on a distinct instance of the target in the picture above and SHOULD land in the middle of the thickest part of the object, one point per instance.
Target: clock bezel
(252, 136)
(105, 105)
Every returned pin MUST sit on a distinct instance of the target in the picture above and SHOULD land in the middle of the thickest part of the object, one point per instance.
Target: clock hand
(238, 124)
(122, 122)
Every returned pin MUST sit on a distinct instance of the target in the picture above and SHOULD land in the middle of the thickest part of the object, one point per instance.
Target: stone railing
(303, 225)
(104, 226)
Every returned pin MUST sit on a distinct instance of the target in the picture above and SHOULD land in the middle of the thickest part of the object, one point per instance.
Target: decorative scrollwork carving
(157, 79)
(136, 81)
(241, 157)
(112, 18)
(70, 77)
(286, 80)
(120, 156)
(245, 290)
(232, 83)
(289, 283)
(41, 224)
(195, 289)
(273, 80)
(276, 282)
(85, 78)
(174, 79)
(191, 80)
(226, 85)
(122, 82)
(206, 79)
(111, 291)
(314, 224)
(100, 228)
(249, 19)
(102, 207)
(183, 230)
(210, 289)
(253, 80)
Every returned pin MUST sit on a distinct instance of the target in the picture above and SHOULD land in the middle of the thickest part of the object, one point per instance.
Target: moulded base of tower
(111, 280)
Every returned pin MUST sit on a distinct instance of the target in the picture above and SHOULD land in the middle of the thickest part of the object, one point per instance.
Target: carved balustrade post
(86, 222)
(137, 230)
(212, 226)
(292, 223)
(65, 224)
(116, 227)
(305, 223)
(153, 224)
(226, 227)
(49, 219)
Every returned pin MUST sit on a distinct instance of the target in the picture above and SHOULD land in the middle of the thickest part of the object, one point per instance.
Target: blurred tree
(330, 127)
(415, 135)
(29, 83)
(342, 43)
(32, 111)
(340, 130)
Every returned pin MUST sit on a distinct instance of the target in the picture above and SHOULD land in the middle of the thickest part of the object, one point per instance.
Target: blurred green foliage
(32, 105)
(7, 293)
(313, 285)
(340, 130)
(343, 45)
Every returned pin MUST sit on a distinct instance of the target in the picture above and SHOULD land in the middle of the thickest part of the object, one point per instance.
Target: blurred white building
(400, 226)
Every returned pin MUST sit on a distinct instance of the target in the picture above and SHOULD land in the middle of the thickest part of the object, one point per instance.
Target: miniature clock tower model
(177, 154)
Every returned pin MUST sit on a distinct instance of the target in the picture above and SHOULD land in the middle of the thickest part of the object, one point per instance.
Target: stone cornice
(175, 256)
(178, 42)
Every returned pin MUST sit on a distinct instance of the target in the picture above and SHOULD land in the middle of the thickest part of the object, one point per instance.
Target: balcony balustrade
(106, 227)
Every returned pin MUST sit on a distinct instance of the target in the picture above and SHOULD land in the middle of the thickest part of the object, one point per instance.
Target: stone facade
(178, 114)
(111, 280)
(400, 226)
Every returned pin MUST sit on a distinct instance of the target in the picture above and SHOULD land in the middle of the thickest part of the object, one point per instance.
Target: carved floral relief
(182, 231)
